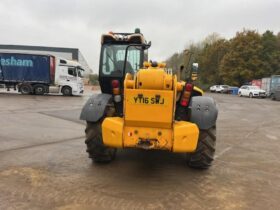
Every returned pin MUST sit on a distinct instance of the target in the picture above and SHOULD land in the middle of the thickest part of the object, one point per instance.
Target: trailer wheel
(26, 89)
(204, 154)
(39, 89)
(66, 91)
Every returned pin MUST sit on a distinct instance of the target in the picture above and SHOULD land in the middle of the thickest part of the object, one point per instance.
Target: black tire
(250, 95)
(26, 89)
(204, 155)
(97, 151)
(239, 94)
(39, 89)
(67, 91)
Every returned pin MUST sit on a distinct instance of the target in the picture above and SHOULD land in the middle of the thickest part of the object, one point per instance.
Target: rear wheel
(97, 151)
(25, 89)
(66, 91)
(204, 155)
(39, 89)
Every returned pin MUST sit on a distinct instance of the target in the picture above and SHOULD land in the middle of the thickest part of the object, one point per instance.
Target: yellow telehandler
(143, 105)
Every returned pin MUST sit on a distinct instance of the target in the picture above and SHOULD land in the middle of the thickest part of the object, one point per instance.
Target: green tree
(175, 61)
(93, 79)
(209, 61)
(243, 61)
(270, 53)
(184, 58)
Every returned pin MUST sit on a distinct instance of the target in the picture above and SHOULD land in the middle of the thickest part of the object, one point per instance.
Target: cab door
(71, 77)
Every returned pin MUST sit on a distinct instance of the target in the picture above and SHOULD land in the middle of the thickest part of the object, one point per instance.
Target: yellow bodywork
(149, 108)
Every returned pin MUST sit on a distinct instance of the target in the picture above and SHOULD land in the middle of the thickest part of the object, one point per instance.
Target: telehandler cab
(143, 105)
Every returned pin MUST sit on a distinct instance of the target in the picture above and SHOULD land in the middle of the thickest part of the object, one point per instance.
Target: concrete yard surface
(43, 163)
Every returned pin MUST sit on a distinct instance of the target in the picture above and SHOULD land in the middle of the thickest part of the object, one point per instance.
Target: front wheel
(97, 151)
(250, 95)
(204, 155)
(66, 91)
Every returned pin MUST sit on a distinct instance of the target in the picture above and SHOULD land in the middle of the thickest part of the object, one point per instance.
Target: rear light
(115, 83)
(186, 95)
(184, 102)
(116, 90)
(188, 87)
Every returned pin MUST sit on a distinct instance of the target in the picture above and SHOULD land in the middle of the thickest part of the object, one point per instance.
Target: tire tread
(204, 155)
(97, 151)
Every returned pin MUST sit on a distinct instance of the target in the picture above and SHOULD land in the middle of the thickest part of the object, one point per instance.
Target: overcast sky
(170, 25)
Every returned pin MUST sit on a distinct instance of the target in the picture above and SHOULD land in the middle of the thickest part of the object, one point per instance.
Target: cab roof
(122, 38)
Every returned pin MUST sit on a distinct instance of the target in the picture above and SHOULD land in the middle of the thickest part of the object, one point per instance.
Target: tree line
(247, 56)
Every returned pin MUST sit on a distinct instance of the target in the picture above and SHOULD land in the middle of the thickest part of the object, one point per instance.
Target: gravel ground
(43, 163)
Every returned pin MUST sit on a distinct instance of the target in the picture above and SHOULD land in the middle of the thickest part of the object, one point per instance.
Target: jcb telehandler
(143, 105)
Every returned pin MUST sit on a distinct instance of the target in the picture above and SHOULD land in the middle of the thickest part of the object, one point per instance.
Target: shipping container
(274, 85)
(257, 82)
(265, 85)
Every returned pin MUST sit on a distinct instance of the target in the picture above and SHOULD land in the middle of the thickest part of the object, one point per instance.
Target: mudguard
(204, 112)
(94, 108)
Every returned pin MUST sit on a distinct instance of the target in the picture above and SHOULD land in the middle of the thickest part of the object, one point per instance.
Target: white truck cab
(68, 78)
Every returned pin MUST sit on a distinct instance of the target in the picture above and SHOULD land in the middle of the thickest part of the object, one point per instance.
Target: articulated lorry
(40, 74)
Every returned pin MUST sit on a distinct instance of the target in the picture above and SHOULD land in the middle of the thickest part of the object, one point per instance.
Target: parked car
(222, 89)
(213, 88)
(251, 91)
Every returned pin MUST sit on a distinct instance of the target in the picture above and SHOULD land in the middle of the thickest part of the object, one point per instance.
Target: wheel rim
(66, 91)
(39, 90)
(25, 89)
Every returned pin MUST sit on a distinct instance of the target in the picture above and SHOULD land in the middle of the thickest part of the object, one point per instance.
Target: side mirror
(147, 46)
(194, 71)
(195, 67)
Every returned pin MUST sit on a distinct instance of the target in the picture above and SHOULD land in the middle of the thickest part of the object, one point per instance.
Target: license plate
(148, 100)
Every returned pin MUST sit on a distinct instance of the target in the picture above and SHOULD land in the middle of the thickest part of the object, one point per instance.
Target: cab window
(72, 71)
(113, 57)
